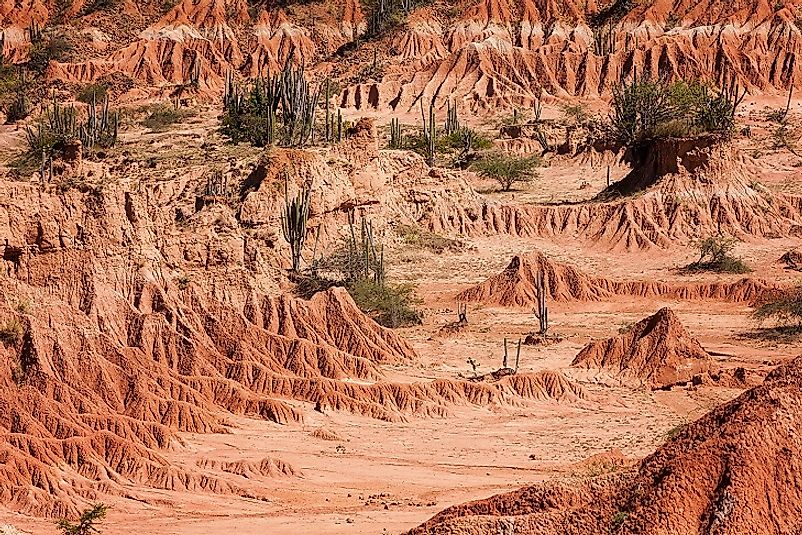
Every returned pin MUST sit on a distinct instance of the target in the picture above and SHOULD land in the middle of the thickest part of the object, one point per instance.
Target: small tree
(87, 523)
(507, 169)
(715, 255)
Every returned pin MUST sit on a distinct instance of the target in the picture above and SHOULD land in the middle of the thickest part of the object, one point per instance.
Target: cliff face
(486, 53)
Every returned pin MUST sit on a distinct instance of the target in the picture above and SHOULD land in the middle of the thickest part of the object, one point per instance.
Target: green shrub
(23, 306)
(618, 521)
(93, 6)
(784, 307)
(15, 93)
(86, 524)
(92, 93)
(51, 49)
(576, 112)
(424, 239)
(785, 137)
(646, 109)
(507, 169)
(390, 305)
(715, 255)
(454, 141)
(162, 116)
(11, 331)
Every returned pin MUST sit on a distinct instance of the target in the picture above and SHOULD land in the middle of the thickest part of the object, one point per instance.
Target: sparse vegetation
(385, 15)
(618, 521)
(644, 110)
(425, 239)
(358, 265)
(11, 331)
(785, 136)
(87, 523)
(576, 112)
(162, 116)
(676, 430)
(92, 93)
(23, 306)
(625, 327)
(715, 255)
(47, 49)
(183, 281)
(93, 6)
(784, 308)
(61, 125)
(391, 305)
(277, 110)
(506, 169)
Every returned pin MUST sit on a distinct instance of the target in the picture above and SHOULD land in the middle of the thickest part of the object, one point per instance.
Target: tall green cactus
(542, 310)
(280, 108)
(294, 220)
(429, 133)
(327, 97)
(452, 122)
(396, 137)
(61, 125)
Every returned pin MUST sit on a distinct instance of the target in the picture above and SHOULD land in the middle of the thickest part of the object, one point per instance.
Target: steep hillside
(484, 54)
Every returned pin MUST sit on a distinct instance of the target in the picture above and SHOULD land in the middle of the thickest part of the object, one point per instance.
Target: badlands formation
(160, 355)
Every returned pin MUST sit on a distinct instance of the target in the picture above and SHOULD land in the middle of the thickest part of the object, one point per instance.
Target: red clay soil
(489, 53)
(88, 401)
(717, 193)
(516, 286)
(657, 350)
(735, 470)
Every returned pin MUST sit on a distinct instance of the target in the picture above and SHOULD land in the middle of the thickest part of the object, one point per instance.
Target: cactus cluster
(365, 260)
(19, 107)
(35, 32)
(386, 14)
(604, 39)
(540, 133)
(195, 72)
(216, 184)
(452, 122)
(279, 109)
(61, 125)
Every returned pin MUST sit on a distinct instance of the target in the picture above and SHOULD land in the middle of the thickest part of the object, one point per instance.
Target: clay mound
(657, 350)
(516, 286)
(248, 469)
(732, 471)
